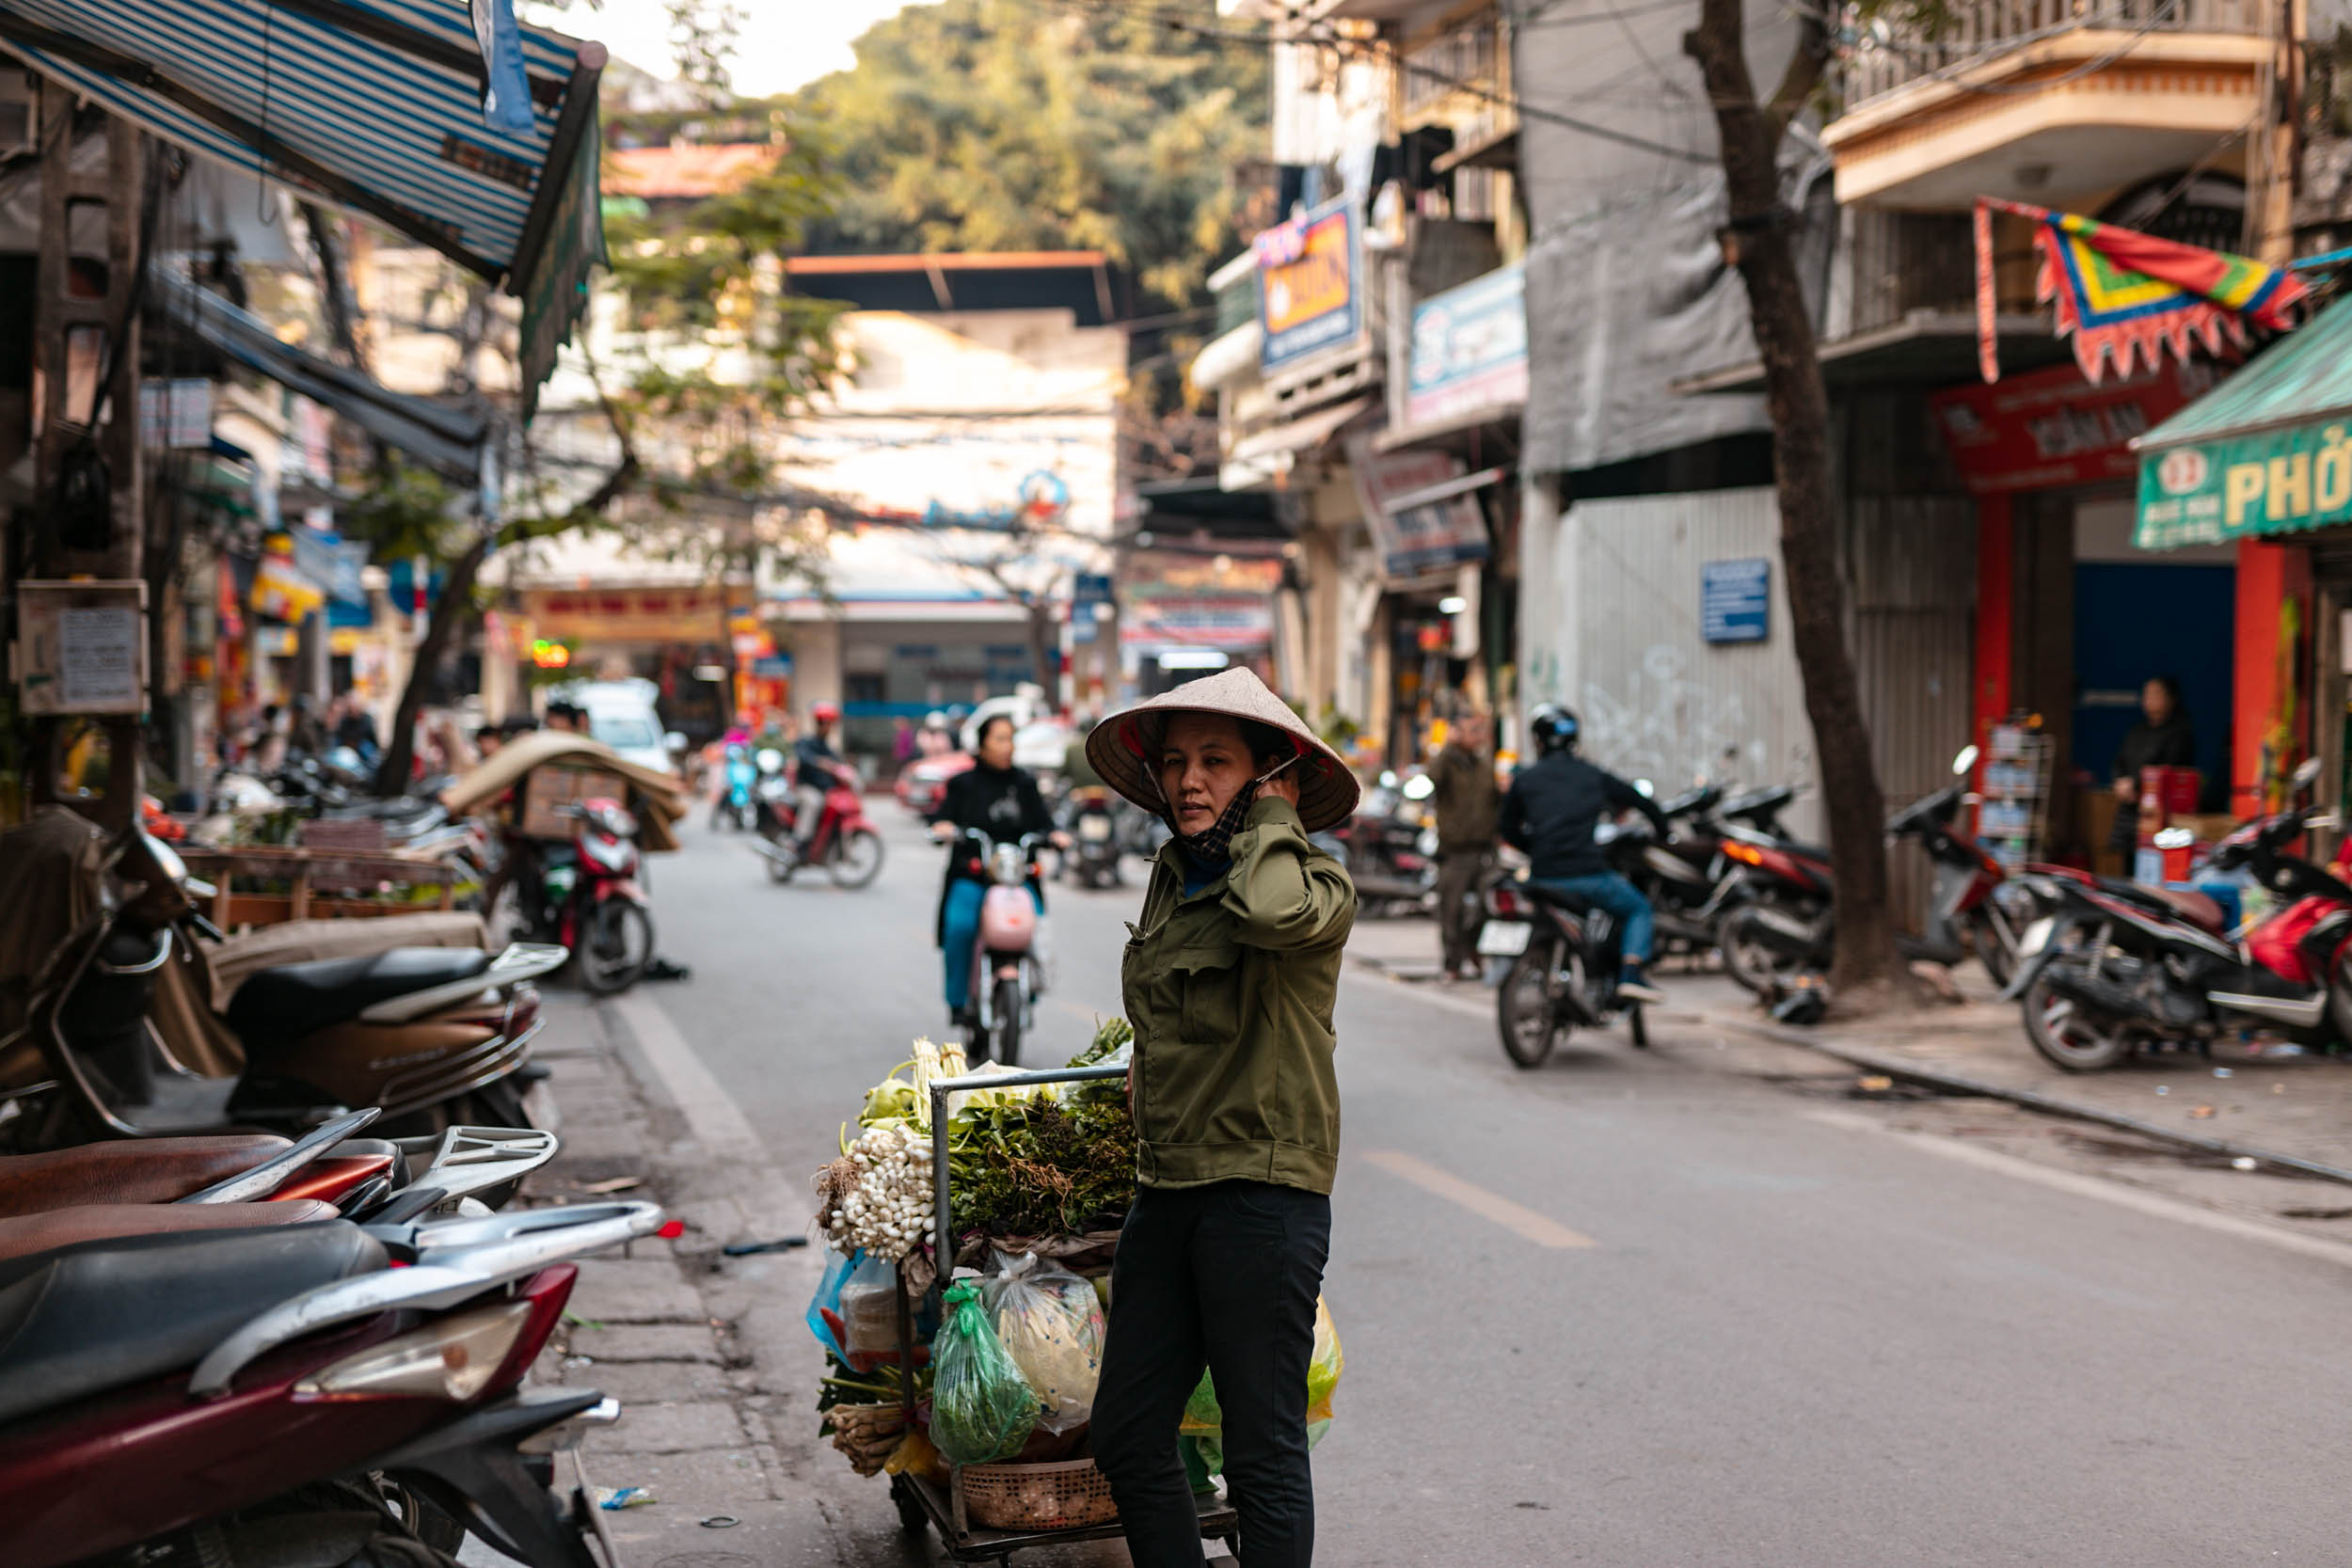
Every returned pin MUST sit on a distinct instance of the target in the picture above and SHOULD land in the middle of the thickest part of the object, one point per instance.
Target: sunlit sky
(782, 44)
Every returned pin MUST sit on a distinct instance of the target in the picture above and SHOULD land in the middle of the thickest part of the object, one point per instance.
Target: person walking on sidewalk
(1230, 979)
(1467, 801)
(1550, 814)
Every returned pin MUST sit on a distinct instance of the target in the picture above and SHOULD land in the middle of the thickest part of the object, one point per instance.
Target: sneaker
(1635, 988)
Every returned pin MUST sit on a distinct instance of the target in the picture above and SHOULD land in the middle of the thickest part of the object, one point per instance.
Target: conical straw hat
(1124, 747)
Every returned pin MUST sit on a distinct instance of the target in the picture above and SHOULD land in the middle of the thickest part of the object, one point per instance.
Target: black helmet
(1553, 728)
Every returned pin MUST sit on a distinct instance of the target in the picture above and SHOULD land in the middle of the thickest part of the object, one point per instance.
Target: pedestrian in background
(1466, 800)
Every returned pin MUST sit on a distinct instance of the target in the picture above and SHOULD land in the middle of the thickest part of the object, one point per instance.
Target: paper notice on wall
(98, 657)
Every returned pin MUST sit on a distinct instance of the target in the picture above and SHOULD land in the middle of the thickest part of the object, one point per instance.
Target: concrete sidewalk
(716, 1375)
(2300, 1106)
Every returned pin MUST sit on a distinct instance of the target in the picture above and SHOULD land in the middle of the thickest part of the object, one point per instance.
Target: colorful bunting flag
(2125, 295)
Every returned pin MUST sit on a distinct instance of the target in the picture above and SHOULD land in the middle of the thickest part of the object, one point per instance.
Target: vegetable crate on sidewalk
(1051, 1495)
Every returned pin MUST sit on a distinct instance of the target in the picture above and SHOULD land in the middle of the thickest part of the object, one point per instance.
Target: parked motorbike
(1092, 858)
(846, 843)
(2106, 976)
(433, 1036)
(1564, 958)
(1007, 977)
(1392, 850)
(589, 900)
(1784, 924)
(287, 1395)
(735, 803)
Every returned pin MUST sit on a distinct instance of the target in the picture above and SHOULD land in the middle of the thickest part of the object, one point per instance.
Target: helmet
(825, 713)
(1553, 728)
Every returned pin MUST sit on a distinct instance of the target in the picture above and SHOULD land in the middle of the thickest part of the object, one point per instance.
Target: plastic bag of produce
(1203, 1419)
(824, 1307)
(1050, 1321)
(983, 1408)
(869, 1309)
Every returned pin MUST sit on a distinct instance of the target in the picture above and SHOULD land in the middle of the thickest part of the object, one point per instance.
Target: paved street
(1626, 1309)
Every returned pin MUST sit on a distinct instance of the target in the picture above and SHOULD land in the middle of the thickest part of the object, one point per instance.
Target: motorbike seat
(294, 1000)
(1573, 903)
(1756, 804)
(104, 1313)
(2198, 909)
(147, 1170)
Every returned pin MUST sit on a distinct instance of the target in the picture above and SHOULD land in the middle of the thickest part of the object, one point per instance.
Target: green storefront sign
(2212, 491)
(2269, 450)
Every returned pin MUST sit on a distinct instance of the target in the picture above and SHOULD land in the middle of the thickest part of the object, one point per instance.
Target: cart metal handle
(943, 1240)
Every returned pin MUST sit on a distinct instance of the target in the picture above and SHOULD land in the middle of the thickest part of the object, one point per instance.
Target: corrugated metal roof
(2306, 379)
(372, 106)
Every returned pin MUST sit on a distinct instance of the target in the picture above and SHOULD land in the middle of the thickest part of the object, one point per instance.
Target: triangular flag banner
(2125, 295)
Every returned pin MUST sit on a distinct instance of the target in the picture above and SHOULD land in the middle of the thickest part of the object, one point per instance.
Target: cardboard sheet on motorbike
(658, 799)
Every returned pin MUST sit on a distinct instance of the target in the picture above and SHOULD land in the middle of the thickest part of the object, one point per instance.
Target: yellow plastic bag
(1204, 1418)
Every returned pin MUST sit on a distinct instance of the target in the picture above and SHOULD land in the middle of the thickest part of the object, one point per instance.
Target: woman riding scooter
(1002, 802)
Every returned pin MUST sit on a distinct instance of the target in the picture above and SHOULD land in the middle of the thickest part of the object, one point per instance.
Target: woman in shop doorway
(2162, 738)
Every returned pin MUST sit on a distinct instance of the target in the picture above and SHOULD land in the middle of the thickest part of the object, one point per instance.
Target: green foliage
(1015, 126)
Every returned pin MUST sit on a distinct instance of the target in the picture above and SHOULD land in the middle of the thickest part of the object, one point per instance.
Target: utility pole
(89, 488)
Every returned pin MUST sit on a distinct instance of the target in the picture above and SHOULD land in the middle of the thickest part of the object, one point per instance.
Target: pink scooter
(1005, 974)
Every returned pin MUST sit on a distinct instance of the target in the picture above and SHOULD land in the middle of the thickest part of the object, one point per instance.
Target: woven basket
(1062, 1495)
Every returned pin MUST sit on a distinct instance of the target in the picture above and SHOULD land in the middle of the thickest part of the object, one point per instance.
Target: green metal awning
(2269, 450)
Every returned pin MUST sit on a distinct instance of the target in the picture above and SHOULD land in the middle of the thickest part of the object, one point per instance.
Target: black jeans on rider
(1223, 1276)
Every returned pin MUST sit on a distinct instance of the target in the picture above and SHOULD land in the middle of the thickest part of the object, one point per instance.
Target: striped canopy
(374, 105)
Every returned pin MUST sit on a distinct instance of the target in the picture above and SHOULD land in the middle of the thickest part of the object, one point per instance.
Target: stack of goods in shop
(979, 1378)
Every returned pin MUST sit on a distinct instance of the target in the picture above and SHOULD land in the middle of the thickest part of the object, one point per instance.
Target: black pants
(1460, 872)
(1223, 1276)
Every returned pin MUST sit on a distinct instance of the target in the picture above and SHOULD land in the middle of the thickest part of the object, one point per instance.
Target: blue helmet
(1553, 728)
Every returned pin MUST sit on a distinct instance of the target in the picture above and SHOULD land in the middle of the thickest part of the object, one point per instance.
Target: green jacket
(1231, 993)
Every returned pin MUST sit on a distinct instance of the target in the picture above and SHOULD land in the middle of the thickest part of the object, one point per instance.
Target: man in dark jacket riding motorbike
(819, 769)
(1550, 814)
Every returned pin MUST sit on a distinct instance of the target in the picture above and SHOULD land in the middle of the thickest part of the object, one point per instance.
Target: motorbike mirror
(675, 741)
(1648, 790)
(1420, 787)
(2307, 773)
(1388, 781)
(1963, 763)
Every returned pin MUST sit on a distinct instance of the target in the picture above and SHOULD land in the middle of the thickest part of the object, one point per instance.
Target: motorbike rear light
(1746, 854)
(453, 1358)
(1508, 903)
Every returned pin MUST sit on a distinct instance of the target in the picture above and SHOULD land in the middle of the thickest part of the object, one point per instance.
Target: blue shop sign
(1735, 600)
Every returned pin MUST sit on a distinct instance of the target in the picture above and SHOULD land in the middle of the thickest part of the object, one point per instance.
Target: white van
(623, 715)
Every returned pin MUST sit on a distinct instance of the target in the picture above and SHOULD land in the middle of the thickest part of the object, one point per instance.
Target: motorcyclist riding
(1002, 802)
(1550, 813)
(818, 768)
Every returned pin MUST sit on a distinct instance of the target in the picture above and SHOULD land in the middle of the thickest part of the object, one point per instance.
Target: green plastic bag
(983, 1408)
(1204, 1419)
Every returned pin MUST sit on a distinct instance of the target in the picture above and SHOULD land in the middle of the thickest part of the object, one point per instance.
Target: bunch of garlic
(886, 1208)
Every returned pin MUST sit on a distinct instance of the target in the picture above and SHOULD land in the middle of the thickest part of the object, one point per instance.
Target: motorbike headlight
(452, 1359)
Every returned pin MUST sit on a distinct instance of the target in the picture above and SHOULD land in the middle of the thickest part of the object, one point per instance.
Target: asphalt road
(1631, 1310)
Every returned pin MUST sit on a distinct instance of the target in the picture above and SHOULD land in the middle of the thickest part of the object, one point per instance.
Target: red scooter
(846, 843)
(292, 1395)
(2108, 975)
(590, 900)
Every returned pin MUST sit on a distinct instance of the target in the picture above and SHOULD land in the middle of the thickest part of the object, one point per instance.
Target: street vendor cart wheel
(911, 1517)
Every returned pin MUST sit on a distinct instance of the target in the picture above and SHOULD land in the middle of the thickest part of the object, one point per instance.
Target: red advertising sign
(2051, 428)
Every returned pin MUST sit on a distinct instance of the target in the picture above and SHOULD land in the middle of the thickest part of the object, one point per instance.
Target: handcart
(922, 1501)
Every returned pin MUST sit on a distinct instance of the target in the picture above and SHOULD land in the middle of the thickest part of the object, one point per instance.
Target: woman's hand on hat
(1282, 786)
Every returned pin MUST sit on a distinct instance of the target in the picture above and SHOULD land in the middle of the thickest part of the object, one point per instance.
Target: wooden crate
(548, 789)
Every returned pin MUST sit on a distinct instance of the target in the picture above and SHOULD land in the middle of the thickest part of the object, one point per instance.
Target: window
(624, 732)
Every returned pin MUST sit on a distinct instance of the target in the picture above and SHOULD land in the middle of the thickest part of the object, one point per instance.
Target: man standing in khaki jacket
(1467, 801)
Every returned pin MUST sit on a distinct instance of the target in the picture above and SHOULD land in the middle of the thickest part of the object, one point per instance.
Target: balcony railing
(1981, 31)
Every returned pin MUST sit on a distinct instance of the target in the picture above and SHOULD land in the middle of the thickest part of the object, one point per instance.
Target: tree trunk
(1756, 242)
(440, 628)
(1045, 648)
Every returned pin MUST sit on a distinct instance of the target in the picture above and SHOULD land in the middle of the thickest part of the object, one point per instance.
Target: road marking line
(712, 1113)
(2337, 1253)
(1523, 1222)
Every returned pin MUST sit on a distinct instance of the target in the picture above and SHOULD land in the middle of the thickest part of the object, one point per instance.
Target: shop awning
(373, 106)
(2269, 450)
(1307, 430)
(447, 439)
